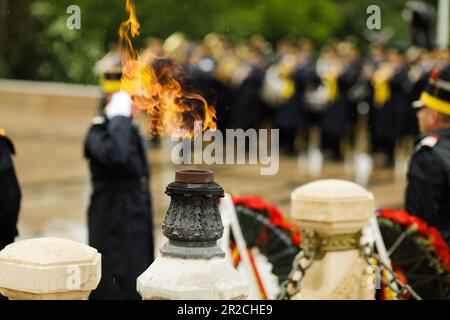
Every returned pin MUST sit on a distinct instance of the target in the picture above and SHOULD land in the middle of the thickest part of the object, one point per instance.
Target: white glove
(120, 105)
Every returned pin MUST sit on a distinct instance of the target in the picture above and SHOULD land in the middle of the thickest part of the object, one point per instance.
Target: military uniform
(10, 194)
(247, 107)
(120, 212)
(292, 115)
(339, 114)
(427, 194)
(386, 110)
(428, 191)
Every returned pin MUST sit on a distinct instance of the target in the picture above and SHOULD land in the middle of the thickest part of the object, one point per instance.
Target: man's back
(428, 191)
(116, 151)
(120, 212)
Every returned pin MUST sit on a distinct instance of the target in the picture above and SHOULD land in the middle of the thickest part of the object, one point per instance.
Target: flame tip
(157, 92)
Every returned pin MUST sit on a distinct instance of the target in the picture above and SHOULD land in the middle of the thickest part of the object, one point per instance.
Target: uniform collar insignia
(430, 141)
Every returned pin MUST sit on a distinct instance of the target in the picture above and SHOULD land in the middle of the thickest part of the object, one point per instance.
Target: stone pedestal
(332, 208)
(191, 265)
(191, 279)
(49, 269)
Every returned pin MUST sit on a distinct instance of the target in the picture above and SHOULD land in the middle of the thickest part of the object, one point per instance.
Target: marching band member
(340, 78)
(389, 92)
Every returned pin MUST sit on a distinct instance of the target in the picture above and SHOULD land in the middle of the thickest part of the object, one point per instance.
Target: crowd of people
(293, 86)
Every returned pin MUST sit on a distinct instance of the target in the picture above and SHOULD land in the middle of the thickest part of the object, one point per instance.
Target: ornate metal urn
(192, 223)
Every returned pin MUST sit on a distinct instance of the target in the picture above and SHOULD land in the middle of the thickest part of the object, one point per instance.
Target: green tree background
(35, 43)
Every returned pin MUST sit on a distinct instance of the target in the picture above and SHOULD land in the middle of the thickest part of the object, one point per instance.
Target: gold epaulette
(2, 132)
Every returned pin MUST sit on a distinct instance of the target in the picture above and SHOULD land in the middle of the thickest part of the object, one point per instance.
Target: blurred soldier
(389, 96)
(427, 194)
(288, 115)
(10, 194)
(292, 116)
(120, 213)
(248, 106)
(202, 69)
(341, 78)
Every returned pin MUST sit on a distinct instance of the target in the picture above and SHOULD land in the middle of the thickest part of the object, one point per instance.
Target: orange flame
(157, 92)
(132, 24)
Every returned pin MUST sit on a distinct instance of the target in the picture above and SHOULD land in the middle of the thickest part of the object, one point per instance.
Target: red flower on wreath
(273, 214)
(420, 225)
(254, 203)
(431, 234)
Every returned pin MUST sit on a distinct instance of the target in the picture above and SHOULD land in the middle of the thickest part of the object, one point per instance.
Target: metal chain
(394, 284)
(313, 248)
(291, 286)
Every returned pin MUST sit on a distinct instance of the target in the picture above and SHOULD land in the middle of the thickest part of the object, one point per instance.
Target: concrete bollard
(332, 214)
(191, 265)
(48, 269)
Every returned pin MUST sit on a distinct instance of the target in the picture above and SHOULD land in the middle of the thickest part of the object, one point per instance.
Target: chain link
(291, 286)
(303, 262)
(394, 283)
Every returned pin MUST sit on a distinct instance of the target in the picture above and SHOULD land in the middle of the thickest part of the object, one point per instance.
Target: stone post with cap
(49, 269)
(332, 214)
(191, 264)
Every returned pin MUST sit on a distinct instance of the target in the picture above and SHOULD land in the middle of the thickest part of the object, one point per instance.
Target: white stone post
(48, 269)
(335, 210)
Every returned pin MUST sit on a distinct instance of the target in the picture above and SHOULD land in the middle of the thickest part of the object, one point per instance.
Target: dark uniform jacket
(340, 113)
(10, 194)
(248, 106)
(292, 114)
(385, 119)
(428, 191)
(120, 215)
